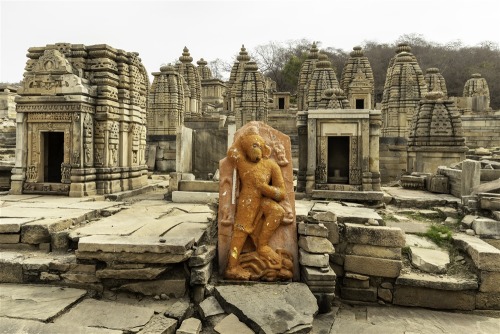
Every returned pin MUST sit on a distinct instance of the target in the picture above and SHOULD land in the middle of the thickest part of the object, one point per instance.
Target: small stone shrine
(357, 80)
(212, 89)
(435, 81)
(81, 121)
(166, 110)
(477, 94)
(257, 228)
(436, 136)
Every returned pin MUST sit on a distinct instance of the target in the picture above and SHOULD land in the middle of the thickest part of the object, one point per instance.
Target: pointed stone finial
(243, 56)
(186, 57)
(357, 51)
(202, 62)
(323, 61)
(403, 47)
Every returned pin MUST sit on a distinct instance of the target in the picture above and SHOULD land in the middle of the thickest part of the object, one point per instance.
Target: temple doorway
(338, 159)
(53, 157)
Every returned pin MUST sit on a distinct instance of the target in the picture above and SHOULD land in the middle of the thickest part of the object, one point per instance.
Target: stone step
(436, 282)
(429, 260)
(347, 214)
(484, 255)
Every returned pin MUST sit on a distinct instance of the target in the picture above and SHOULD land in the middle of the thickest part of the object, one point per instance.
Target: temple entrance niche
(338, 159)
(53, 156)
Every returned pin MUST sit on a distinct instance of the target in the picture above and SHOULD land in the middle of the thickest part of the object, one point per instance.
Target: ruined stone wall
(481, 130)
(286, 122)
(393, 158)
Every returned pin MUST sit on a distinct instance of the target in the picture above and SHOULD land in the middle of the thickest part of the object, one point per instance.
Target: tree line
(281, 61)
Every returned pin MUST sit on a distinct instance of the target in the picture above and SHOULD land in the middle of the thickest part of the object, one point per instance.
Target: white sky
(159, 30)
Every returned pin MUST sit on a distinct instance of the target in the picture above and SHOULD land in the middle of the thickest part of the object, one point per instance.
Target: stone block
(364, 295)
(13, 225)
(488, 301)
(190, 326)
(372, 266)
(171, 287)
(429, 260)
(231, 324)
(139, 273)
(333, 232)
(201, 275)
(436, 282)
(489, 281)
(180, 310)
(39, 231)
(317, 245)
(432, 298)
(484, 256)
(315, 230)
(489, 203)
(313, 260)
(486, 227)
(439, 184)
(159, 324)
(384, 294)
(193, 197)
(326, 216)
(11, 270)
(210, 307)
(202, 255)
(471, 176)
(351, 281)
(199, 186)
(314, 274)
(375, 235)
(11, 238)
(393, 253)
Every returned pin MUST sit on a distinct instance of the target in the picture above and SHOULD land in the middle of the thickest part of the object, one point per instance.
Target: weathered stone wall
(209, 145)
(481, 130)
(393, 158)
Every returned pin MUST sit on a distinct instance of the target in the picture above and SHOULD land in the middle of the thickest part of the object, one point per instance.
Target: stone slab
(141, 273)
(39, 231)
(314, 274)
(348, 195)
(31, 302)
(429, 260)
(317, 230)
(372, 266)
(97, 313)
(302, 209)
(194, 197)
(374, 235)
(346, 214)
(317, 245)
(436, 282)
(132, 244)
(432, 298)
(171, 287)
(201, 275)
(364, 295)
(210, 307)
(231, 324)
(190, 326)
(313, 260)
(203, 255)
(488, 301)
(19, 326)
(124, 257)
(410, 226)
(270, 309)
(418, 241)
(160, 324)
(13, 225)
(393, 253)
(484, 255)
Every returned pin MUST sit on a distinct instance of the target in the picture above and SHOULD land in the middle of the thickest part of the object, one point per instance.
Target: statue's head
(254, 147)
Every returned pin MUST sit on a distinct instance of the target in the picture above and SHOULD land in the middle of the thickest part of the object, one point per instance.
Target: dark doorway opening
(281, 103)
(338, 160)
(53, 148)
(360, 103)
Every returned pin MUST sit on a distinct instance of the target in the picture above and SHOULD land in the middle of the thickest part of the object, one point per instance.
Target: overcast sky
(159, 30)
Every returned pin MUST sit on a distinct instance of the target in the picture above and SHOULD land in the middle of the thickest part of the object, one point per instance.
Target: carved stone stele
(257, 205)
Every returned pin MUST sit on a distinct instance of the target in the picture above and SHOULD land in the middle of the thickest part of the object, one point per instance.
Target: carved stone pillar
(375, 125)
(302, 130)
(19, 170)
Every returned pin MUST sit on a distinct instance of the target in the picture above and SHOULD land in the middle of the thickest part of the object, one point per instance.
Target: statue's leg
(233, 269)
(274, 213)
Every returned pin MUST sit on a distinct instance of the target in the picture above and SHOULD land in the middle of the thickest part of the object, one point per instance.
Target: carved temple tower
(305, 74)
(236, 72)
(81, 121)
(436, 137)
(190, 73)
(250, 96)
(357, 80)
